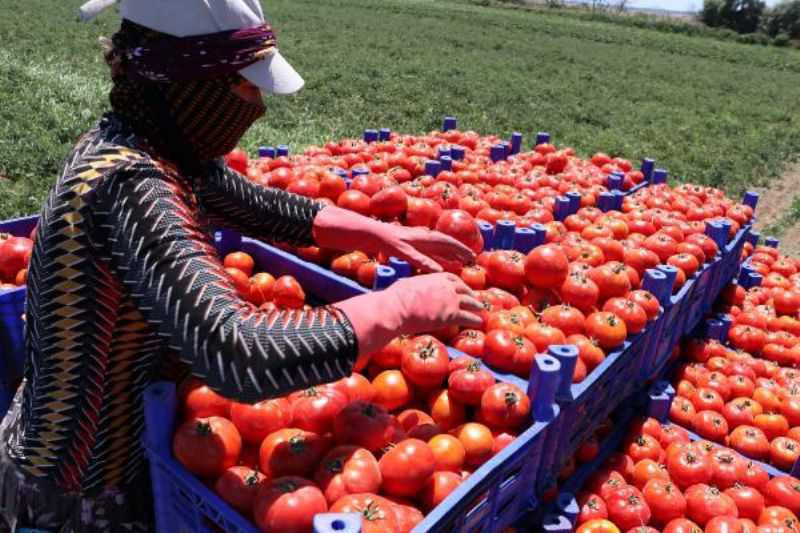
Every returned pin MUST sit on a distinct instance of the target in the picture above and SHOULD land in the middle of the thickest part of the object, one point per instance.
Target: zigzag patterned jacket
(124, 276)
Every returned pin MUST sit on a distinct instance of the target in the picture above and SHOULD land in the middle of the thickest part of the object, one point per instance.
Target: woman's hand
(411, 306)
(345, 230)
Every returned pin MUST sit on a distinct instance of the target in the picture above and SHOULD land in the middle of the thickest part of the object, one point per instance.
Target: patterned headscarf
(182, 107)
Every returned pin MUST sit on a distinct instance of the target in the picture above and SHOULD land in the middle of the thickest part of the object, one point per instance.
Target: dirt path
(774, 204)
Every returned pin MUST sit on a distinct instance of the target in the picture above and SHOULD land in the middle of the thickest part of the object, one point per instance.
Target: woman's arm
(269, 214)
(174, 275)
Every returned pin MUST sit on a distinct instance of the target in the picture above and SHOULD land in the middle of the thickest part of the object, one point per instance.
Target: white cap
(182, 18)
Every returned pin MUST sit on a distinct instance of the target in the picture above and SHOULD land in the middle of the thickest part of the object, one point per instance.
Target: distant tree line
(779, 24)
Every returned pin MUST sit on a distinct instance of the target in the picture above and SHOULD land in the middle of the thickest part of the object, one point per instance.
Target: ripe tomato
(612, 279)
(356, 387)
(354, 200)
(445, 411)
(542, 335)
(388, 203)
(468, 385)
(474, 277)
(438, 487)
(506, 269)
(406, 467)
(589, 352)
(15, 254)
(237, 159)
(288, 294)
(377, 513)
(461, 226)
(478, 443)
(710, 425)
(288, 504)
(688, 468)
(778, 516)
(627, 508)
(315, 408)
(392, 391)
(665, 500)
(347, 470)
(504, 406)
(783, 491)
(606, 328)
(568, 319)
(727, 467)
(704, 503)
(682, 525)
(425, 362)
(199, 401)
(592, 508)
(207, 446)
(546, 266)
(648, 470)
(499, 349)
(240, 261)
(630, 312)
(597, 525)
(646, 301)
(644, 447)
(291, 452)
(749, 502)
(773, 425)
(422, 212)
(367, 425)
(407, 516)
(255, 422)
(260, 288)
(391, 354)
(448, 452)
(705, 399)
(580, 292)
(238, 486)
(784, 452)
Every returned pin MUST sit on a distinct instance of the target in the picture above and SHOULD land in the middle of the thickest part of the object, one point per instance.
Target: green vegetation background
(710, 111)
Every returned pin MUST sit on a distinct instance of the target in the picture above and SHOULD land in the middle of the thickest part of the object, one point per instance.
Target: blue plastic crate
(12, 307)
(492, 498)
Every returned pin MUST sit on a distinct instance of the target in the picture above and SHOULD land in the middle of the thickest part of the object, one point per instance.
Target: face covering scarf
(177, 94)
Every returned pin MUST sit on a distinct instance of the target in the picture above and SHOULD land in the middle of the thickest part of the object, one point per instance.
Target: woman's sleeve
(268, 214)
(171, 269)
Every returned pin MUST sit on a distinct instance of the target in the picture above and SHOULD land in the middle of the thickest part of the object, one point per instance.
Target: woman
(124, 277)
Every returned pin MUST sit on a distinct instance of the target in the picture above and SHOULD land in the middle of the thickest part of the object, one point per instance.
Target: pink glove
(341, 229)
(410, 306)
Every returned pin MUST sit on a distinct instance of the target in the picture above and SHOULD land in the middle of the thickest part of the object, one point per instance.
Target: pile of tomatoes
(662, 481)
(262, 289)
(15, 254)
(747, 394)
(390, 448)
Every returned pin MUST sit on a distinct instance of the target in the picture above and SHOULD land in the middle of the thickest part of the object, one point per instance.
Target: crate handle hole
(338, 525)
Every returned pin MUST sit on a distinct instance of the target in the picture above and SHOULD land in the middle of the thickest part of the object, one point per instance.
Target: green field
(710, 111)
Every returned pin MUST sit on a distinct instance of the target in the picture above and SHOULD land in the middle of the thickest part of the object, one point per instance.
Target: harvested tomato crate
(12, 307)
(490, 499)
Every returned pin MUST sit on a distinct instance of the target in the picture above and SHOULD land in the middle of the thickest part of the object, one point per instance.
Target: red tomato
(784, 452)
(425, 362)
(258, 420)
(750, 441)
(237, 159)
(240, 261)
(597, 525)
(727, 468)
(377, 513)
(438, 487)
(354, 200)
(506, 269)
(291, 452)
(704, 503)
(468, 385)
(260, 288)
(392, 390)
(682, 525)
(207, 446)
(478, 443)
(288, 504)
(592, 508)
(315, 408)
(422, 212)
(388, 203)
(607, 328)
(504, 406)
(446, 412)
(644, 447)
(710, 425)
(471, 342)
(391, 354)
(783, 491)
(749, 502)
(630, 312)
(688, 468)
(448, 451)
(287, 293)
(406, 467)
(239, 486)
(356, 387)
(347, 470)
(565, 318)
(461, 226)
(367, 425)
(546, 266)
(627, 508)
(665, 500)
(407, 516)
(199, 401)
